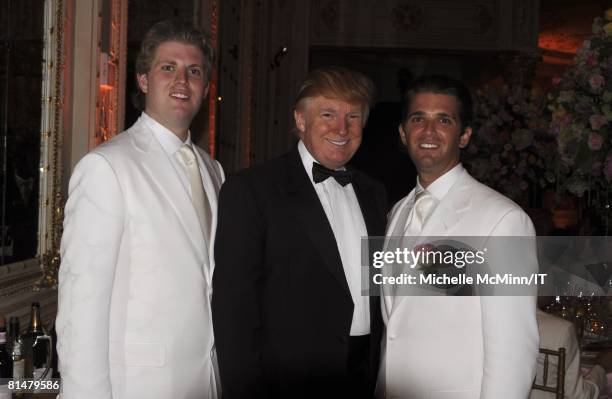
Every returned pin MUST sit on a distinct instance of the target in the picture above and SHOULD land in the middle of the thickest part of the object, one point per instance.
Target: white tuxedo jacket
(134, 315)
(462, 347)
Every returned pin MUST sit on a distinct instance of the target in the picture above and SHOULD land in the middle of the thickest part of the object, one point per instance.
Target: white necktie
(198, 195)
(423, 204)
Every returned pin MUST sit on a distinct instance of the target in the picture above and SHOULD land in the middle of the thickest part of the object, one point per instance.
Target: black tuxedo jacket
(281, 306)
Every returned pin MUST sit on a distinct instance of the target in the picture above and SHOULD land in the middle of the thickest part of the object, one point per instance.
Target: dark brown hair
(440, 84)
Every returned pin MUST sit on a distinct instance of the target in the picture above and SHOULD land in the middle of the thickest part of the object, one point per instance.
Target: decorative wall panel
(477, 24)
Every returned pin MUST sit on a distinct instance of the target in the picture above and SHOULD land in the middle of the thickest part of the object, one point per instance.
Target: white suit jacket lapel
(451, 208)
(160, 170)
(398, 216)
(396, 229)
(211, 184)
(443, 220)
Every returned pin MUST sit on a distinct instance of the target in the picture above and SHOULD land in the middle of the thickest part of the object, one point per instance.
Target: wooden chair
(559, 388)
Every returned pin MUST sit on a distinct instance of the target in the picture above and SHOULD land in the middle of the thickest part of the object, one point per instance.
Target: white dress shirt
(438, 190)
(344, 215)
(171, 144)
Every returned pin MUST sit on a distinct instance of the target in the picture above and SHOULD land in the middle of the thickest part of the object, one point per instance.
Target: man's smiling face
(432, 134)
(175, 85)
(330, 128)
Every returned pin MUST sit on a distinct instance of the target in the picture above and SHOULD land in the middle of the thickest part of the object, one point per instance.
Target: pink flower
(595, 141)
(597, 121)
(596, 81)
(556, 80)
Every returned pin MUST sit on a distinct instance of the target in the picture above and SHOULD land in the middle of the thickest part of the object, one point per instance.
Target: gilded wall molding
(52, 202)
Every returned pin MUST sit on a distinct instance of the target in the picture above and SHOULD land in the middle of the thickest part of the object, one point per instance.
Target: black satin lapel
(375, 221)
(373, 216)
(303, 197)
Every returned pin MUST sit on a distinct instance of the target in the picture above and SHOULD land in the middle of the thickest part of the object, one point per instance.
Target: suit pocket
(137, 354)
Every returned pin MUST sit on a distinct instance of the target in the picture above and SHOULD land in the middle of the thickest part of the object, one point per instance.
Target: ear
(300, 121)
(402, 134)
(143, 82)
(205, 93)
(464, 139)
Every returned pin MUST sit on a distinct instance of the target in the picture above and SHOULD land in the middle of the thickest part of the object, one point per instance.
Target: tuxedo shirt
(171, 144)
(344, 215)
(438, 190)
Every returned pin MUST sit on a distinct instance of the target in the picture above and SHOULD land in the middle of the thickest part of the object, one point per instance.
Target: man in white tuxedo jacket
(459, 347)
(134, 316)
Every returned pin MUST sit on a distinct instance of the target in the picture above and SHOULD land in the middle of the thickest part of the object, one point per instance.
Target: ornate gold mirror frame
(51, 202)
(19, 281)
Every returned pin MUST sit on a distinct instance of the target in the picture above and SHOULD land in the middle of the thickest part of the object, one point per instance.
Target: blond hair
(338, 82)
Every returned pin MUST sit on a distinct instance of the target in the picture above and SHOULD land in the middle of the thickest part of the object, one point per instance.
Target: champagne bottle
(16, 348)
(6, 364)
(36, 350)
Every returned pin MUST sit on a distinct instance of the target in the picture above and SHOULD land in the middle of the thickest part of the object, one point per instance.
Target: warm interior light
(556, 60)
(561, 42)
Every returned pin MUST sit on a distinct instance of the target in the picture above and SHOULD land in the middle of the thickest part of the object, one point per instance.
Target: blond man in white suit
(455, 347)
(135, 279)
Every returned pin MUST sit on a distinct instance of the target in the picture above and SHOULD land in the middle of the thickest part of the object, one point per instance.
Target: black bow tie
(320, 173)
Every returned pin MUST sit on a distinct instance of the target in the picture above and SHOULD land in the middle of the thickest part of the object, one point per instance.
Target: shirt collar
(168, 140)
(439, 187)
(307, 159)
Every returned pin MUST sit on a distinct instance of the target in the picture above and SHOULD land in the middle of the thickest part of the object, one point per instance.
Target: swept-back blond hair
(338, 82)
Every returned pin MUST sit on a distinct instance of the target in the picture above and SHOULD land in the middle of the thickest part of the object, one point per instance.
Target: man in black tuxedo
(289, 317)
